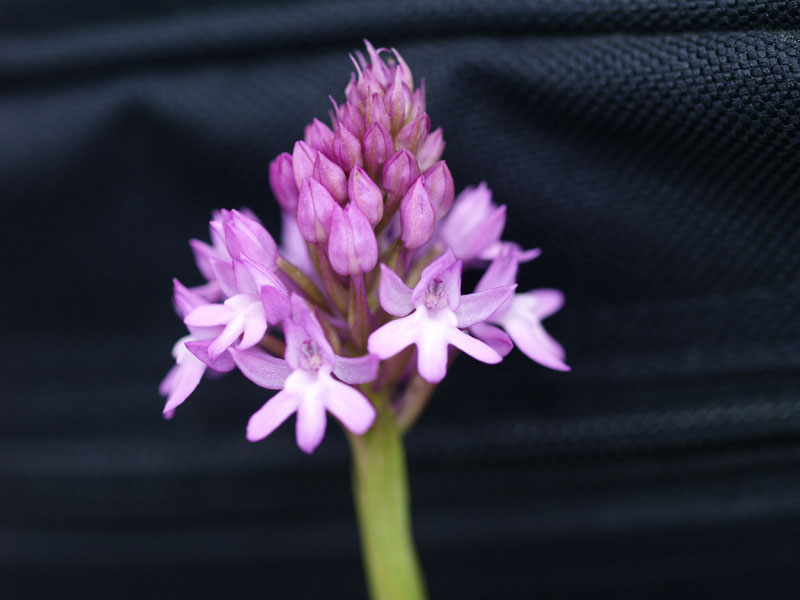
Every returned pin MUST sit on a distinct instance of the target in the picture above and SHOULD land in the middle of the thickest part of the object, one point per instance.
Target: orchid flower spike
(434, 315)
(370, 189)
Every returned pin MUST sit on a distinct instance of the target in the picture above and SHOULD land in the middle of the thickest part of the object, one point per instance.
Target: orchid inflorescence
(363, 296)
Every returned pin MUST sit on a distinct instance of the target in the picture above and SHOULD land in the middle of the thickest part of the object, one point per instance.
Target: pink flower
(307, 382)
(521, 315)
(434, 315)
(474, 226)
(255, 294)
(184, 377)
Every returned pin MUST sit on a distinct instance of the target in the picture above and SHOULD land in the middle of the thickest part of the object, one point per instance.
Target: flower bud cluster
(373, 246)
(378, 156)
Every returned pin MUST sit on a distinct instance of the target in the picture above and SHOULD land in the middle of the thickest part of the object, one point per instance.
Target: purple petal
(395, 295)
(276, 304)
(261, 368)
(244, 281)
(315, 207)
(203, 253)
(360, 369)
(470, 209)
(502, 271)
(435, 270)
(223, 272)
(270, 416)
(451, 278)
(473, 346)
(524, 308)
(472, 243)
(349, 406)
(365, 194)
(531, 338)
(261, 276)
(311, 422)
(330, 175)
(319, 136)
(302, 314)
(281, 180)
(293, 246)
(528, 255)
(303, 159)
(440, 187)
(185, 299)
(166, 384)
(255, 326)
(247, 237)
(363, 238)
(209, 315)
(229, 335)
(495, 337)
(301, 328)
(210, 292)
(479, 306)
(417, 215)
(432, 353)
(431, 149)
(393, 337)
(548, 301)
(199, 348)
(352, 247)
(183, 382)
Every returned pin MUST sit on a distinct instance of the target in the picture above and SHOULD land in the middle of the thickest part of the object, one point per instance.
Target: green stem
(380, 489)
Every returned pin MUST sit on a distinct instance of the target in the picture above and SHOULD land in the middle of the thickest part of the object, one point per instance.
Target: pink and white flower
(434, 315)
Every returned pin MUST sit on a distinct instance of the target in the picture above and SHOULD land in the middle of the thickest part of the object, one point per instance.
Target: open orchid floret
(521, 315)
(434, 315)
(256, 296)
(184, 377)
(306, 380)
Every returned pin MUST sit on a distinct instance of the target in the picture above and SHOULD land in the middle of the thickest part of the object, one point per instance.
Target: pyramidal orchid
(359, 312)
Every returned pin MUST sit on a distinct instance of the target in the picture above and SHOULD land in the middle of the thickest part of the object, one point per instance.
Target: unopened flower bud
(366, 195)
(315, 206)
(416, 216)
(320, 137)
(399, 171)
(329, 174)
(414, 131)
(351, 92)
(378, 146)
(419, 96)
(376, 111)
(378, 68)
(352, 247)
(402, 72)
(246, 238)
(281, 180)
(441, 188)
(303, 159)
(431, 149)
(398, 103)
(347, 148)
(351, 118)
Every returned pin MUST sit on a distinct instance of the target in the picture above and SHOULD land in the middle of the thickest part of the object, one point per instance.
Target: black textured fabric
(652, 149)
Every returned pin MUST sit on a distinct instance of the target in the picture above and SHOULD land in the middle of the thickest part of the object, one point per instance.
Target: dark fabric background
(652, 149)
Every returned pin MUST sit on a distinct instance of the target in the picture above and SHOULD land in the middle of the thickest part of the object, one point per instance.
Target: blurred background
(651, 149)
